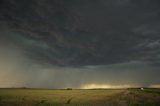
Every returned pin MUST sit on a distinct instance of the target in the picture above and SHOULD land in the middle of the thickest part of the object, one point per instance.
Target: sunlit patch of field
(31, 97)
(103, 97)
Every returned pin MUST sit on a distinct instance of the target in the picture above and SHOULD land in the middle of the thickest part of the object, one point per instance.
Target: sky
(79, 43)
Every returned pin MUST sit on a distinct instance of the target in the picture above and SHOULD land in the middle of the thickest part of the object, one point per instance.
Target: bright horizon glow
(105, 86)
(154, 86)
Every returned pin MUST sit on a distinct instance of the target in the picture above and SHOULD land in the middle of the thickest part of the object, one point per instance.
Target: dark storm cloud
(84, 32)
(108, 42)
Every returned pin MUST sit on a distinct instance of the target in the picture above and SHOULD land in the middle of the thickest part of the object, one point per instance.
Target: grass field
(42, 97)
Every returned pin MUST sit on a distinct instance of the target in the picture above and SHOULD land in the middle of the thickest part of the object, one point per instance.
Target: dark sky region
(79, 43)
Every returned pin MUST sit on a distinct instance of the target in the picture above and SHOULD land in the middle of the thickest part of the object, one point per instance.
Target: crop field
(99, 97)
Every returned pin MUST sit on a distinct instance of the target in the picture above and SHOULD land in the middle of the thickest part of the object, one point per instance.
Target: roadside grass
(146, 97)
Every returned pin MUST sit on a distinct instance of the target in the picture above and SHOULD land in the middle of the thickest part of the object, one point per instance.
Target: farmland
(96, 97)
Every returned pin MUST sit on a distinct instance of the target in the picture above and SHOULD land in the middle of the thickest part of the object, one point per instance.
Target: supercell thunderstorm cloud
(79, 43)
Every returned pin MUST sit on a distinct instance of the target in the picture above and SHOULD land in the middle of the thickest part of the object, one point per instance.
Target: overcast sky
(77, 43)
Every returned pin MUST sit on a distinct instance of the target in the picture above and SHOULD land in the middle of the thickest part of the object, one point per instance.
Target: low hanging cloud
(18, 71)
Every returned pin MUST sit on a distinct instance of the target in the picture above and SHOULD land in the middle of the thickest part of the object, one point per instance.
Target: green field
(42, 97)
